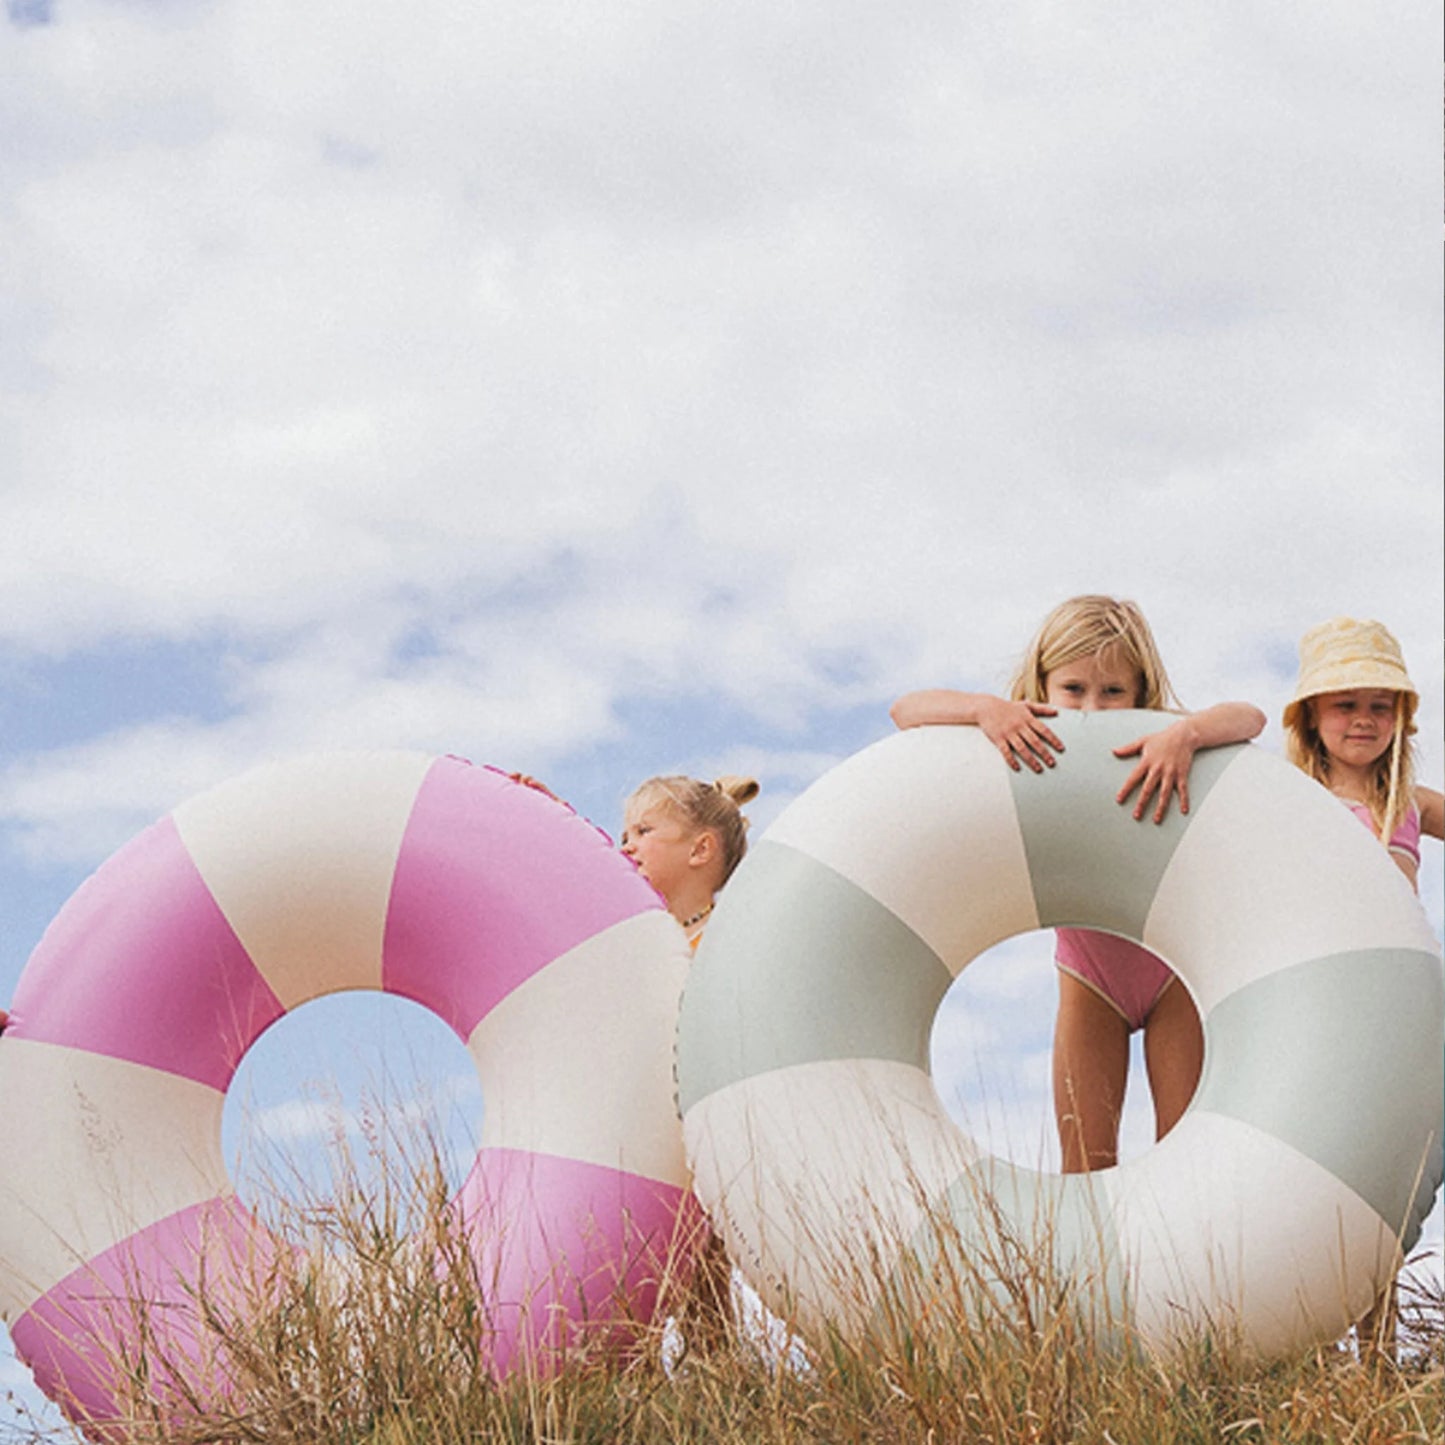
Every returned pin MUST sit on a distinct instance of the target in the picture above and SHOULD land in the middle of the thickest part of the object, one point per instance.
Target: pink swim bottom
(1126, 976)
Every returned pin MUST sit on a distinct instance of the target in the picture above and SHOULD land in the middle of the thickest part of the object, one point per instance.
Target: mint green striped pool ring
(1284, 1198)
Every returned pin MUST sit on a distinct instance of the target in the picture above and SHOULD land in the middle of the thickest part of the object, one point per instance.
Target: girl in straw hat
(1349, 726)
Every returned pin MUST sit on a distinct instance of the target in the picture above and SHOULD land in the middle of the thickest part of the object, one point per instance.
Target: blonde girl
(686, 837)
(1350, 726)
(1095, 653)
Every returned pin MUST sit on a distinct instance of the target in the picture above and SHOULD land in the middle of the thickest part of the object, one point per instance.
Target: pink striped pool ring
(505, 913)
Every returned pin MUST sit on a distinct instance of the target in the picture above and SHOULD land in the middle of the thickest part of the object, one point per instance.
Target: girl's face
(1098, 683)
(1356, 726)
(661, 845)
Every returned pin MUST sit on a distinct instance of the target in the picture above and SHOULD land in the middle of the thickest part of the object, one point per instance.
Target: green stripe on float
(1340, 1058)
(999, 1230)
(799, 965)
(1091, 863)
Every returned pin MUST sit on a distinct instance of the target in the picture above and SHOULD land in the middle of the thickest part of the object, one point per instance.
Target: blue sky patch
(48, 703)
(27, 14)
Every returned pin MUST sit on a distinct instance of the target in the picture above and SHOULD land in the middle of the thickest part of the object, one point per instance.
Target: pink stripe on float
(142, 1298)
(570, 1255)
(493, 882)
(141, 965)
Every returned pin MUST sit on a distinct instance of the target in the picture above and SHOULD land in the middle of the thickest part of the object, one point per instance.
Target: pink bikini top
(1406, 839)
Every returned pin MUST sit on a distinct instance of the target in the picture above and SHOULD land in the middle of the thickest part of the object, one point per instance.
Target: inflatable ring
(502, 911)
(1281, 1202)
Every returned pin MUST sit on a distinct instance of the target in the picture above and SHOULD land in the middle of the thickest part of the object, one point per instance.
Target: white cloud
(302, 1121)
(335, 689)
(462, 376)
(317, 1120)
(910, 336)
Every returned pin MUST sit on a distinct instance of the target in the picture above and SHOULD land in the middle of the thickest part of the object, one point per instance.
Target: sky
(603, 390)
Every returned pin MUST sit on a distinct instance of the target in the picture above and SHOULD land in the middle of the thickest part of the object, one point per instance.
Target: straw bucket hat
(1343, 654)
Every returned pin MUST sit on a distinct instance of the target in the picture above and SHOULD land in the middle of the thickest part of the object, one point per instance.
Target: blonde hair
(716, 806)
(1390, 789)
(1083, 627)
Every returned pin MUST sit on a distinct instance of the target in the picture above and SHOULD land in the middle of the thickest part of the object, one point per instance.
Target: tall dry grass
(368, 1333)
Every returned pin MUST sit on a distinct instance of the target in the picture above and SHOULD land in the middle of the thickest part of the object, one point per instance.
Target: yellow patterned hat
(1343, 654)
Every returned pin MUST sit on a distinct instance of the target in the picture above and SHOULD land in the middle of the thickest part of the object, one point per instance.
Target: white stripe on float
(577, 1061)
(96, 1149)
(1221, 1222)
(1273, 872)
(818, 1175)
(300, 856)
(925, 822)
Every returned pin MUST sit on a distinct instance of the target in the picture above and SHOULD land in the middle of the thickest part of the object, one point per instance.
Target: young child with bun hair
(1095, 653)
(1350, 726)
(686, 837)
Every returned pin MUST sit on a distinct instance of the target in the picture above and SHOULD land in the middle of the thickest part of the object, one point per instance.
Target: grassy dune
(360, 1338)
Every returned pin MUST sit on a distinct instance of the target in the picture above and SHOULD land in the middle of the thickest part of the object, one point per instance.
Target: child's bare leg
(1091, 1067)
(1173, 1055)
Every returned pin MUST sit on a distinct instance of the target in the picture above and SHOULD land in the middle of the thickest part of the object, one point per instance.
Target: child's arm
(1165, 757)
(1014, 728)
(1432, 812)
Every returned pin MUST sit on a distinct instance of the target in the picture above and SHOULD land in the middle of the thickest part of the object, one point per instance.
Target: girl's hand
(1164, 762)
(1015, 729)
(528, 781)
(1012, 727)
